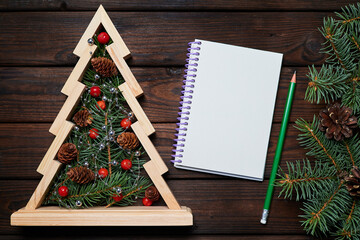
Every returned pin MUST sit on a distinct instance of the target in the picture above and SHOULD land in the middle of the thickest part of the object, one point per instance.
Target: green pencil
(278, 150)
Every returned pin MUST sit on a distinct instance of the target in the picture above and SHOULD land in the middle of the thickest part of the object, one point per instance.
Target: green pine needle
(305, 181)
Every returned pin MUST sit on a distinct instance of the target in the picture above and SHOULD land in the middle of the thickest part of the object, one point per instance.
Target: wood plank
(24, 90)
(160, 38)
(50, 155)
(125, 70)
(81, 66)
(67, 108)
(219, 207)
(47, 234)
(22, 146)
(101, 216)
(161, 185)
(234, 5)
(43, 187)
(136, 108)
(149, 147)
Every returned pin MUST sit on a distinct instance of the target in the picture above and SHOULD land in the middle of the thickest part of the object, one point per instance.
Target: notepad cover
(231, 110)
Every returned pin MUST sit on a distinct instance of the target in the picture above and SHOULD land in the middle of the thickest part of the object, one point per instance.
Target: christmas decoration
(329, 186)
(104, 66)
(118, 197)
(103, 172)
(336, 121)
(147, 202)
(93, 133)
(100, 152)
(126, 164)
(67, 153)
(103, 38)
(90, 41)
(152, 194)
(125, 123)
(101, 104)
(80, 175)
(63, 191)
(95, 91)
(353, 182)
(82, 118)
(128, 140)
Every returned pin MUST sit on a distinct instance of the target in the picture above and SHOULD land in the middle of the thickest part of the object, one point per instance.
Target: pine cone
(83, 118)
(67, 153)
(128, 140)
(337, 122)
(104, 66)
(81, 175)
(152, 193)
(353, 182)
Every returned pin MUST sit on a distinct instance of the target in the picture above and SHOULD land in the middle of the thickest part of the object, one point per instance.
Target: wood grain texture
(233, 5)
(162, 237)
(160, 38)
(219, 207)
(20, 156)
(24, 89)
(102, 216)
(36, 59)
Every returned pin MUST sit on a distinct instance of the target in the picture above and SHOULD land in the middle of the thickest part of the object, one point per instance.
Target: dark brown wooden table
(36, 43)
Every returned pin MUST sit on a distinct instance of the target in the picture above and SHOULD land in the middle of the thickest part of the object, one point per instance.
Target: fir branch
(314, 140)
(350, 154)
(337, 44)
(348, 227)
(351, 97)
(321, 213)
(304, 180)
(326, 85)
(349, 14)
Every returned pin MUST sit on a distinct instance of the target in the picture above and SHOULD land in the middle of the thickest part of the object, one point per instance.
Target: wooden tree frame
(33, 214)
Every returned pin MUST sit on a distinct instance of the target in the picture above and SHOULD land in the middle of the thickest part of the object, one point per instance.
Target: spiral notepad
(226, 110)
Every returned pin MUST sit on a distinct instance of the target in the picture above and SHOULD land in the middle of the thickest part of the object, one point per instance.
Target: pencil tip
(293, 79)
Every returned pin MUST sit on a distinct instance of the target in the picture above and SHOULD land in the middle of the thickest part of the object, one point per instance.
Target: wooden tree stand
(33, 214)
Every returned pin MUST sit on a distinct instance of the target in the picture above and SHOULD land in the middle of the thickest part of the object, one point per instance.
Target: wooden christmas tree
(34, 214)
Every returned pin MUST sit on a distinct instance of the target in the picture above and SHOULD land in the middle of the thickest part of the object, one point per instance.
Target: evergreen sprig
(349, 227)
(322, 212)
(319, 146)
(328, 206)
(326, 85)
(102, 152)
(304, 180)
(338, 79)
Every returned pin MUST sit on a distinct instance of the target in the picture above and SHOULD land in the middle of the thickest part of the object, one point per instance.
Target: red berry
(118, 198)
(93, 133)
(101, 104)
(103, 172)
(95, 91)
(147, 202)
(63, 191)
(125, 123)
(126, 164)
(103, 38)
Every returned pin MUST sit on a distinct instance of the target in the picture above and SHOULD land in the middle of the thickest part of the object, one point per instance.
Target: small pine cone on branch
(83, 118)
(152, 193)
(353, 182)
(128, 140)
(67, 153)
(337, 122)
(104, 66)
(81, 175)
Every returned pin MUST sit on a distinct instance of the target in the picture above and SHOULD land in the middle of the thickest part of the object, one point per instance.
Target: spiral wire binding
(190, 75)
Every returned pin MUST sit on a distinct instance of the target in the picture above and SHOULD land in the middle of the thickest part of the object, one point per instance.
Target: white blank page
(231, 111)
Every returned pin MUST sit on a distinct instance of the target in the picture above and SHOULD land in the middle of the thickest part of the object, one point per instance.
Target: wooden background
(36, 43)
